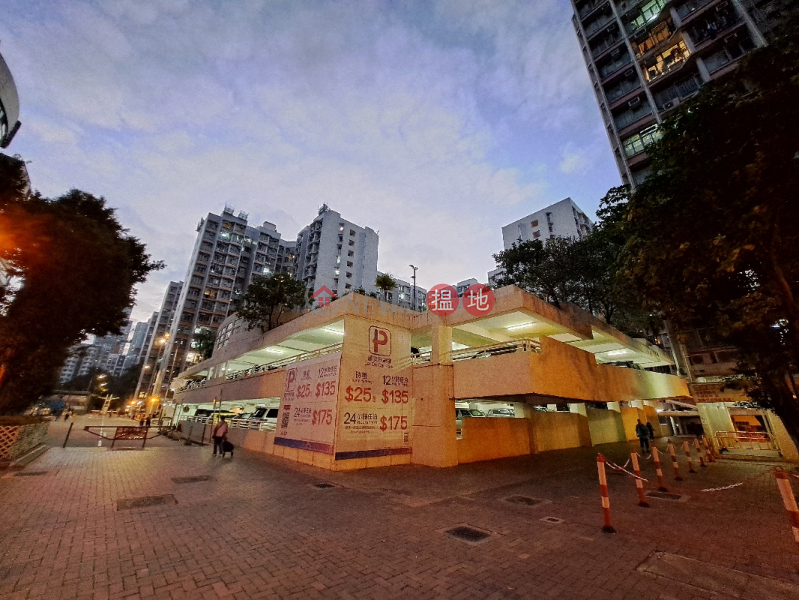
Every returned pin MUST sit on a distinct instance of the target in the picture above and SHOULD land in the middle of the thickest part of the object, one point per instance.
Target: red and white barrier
(675, 465)
(789, 501)
(709, 450)
(658, 470)
(687, 449)
(603, 492)
(638, 483)
(699, 453)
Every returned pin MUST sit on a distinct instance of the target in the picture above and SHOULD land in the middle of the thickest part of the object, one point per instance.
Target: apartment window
(349, 275)
(536, 234)
(352, 242)
(350, 253)
(349, 264)
(534, 223)
(637, 142)
(347, 287)
(352, 232)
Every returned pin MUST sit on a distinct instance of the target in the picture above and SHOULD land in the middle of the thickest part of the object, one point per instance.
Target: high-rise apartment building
(136, 344)
(156, 342)
(337, 254)
(562, 219)
(227, 254)
(9, 105)
(645, 57)
(405, 295)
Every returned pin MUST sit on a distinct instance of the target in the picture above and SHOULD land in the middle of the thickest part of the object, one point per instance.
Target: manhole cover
(30, 473)
(323, 485)
(145, 501)
(523, 500)
(664, 496)
(194, 479)
(468, 534)
(553, 520)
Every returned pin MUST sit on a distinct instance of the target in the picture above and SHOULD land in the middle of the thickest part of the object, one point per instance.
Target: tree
(714, 230)
(268, 297)
(203, 343)
(386, 283)
(584, 271)
(73, 270)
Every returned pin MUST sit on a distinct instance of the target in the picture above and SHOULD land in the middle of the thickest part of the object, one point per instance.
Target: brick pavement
(259, 529)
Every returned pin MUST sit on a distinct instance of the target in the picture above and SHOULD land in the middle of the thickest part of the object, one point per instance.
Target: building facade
(337, 254)
(156, 341)
(227, 254)
(646, 57)
(9, 105)
(562, 219)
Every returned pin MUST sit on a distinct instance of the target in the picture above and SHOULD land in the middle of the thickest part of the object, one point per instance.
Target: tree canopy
(267, 298)
(72, 270)
(386, 283)
(714, 230)
(583, 271)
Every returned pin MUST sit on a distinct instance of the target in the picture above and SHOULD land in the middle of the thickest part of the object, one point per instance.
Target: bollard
(708, 456)
(699, 453)
(687, 450)
(661, 485)
(789, 501)
(603, 491)
(66, 439)
(711, 451)
(675, 465)
(638, 483)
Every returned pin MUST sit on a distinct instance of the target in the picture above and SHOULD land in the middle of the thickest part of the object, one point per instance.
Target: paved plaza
(258, 527)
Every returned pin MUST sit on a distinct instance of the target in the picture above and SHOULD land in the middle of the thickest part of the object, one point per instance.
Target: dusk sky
(434, 123)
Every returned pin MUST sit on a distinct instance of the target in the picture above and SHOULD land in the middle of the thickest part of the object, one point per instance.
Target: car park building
(351, 394)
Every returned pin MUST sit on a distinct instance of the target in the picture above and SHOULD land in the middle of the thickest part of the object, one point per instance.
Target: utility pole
(414, 285)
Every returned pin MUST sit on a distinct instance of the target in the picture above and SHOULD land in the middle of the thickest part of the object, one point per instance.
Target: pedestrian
(147, 422)
(642, 432)
(66, 415)
(220, 435)
(651, 430)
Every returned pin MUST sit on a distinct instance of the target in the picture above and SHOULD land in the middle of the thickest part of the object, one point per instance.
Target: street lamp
(414, 285)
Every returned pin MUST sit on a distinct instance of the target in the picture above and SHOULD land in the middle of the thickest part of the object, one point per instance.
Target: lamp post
(414, 285)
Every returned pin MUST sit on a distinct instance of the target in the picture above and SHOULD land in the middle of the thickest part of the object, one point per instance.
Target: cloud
(434, 124)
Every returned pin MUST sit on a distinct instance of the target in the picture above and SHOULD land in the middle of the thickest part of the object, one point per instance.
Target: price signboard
(307, 416)
(374, 416)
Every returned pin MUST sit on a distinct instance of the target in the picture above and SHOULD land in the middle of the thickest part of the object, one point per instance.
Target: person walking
(642, 432)
(220, 435)
(651, 430)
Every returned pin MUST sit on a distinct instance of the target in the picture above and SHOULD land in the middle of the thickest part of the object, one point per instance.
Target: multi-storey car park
(645, 57)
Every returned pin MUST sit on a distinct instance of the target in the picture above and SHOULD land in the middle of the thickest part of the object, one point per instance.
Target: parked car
(269, 415)
(501, 412)
(460, 413)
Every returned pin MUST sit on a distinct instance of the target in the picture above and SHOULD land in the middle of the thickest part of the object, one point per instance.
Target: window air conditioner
(628, 72)
(673, 103)
(634, 102)
(615, 52)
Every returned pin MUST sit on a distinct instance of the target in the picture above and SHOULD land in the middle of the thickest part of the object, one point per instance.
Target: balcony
(670, 61)
(690, 7)
(621, 90)
(629, 117)
(589, 8)
(658, 37)
(598, 24)
(649, 12)
(610, 68)
(605, 45)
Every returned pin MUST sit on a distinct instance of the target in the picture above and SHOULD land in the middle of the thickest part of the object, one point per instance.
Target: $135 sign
(364, 394)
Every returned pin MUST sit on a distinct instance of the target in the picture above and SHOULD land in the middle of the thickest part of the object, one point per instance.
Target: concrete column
(441, 353)
(434, 439)
(702, 68)
(614, 406)
(675, 17)
(552, 407)
(754, 32)
(579, 408)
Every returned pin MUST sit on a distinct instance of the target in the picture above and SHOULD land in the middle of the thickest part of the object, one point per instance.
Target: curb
(25, 459)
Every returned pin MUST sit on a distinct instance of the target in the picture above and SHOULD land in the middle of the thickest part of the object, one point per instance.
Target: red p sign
(379, 341)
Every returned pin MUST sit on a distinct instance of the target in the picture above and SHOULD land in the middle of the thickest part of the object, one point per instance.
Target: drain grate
(468, 534)
(145, 501)
(30, 473)
(194, 479)
(552, 520)
(664, 496)
(523, 500)
(323, 485)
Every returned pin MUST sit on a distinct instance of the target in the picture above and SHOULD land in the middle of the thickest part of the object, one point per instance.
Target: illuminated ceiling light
(617, 352)
(331, 330)
(274, 351)
(522, 326)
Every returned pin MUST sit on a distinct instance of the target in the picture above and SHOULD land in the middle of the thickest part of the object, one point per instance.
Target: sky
(434, 123)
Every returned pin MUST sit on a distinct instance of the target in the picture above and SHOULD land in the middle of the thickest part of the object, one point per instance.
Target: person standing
(642, 432)
(651, 430)
(219, 435)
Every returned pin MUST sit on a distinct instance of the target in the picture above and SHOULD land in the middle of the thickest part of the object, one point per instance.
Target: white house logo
(379, 341)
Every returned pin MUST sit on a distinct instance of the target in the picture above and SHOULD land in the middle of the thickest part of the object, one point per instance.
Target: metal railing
(251, 424)
(279, 364)
(520, 345)
(746, 440)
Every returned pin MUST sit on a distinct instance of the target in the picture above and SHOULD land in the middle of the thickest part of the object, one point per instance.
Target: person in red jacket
(220, 435)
